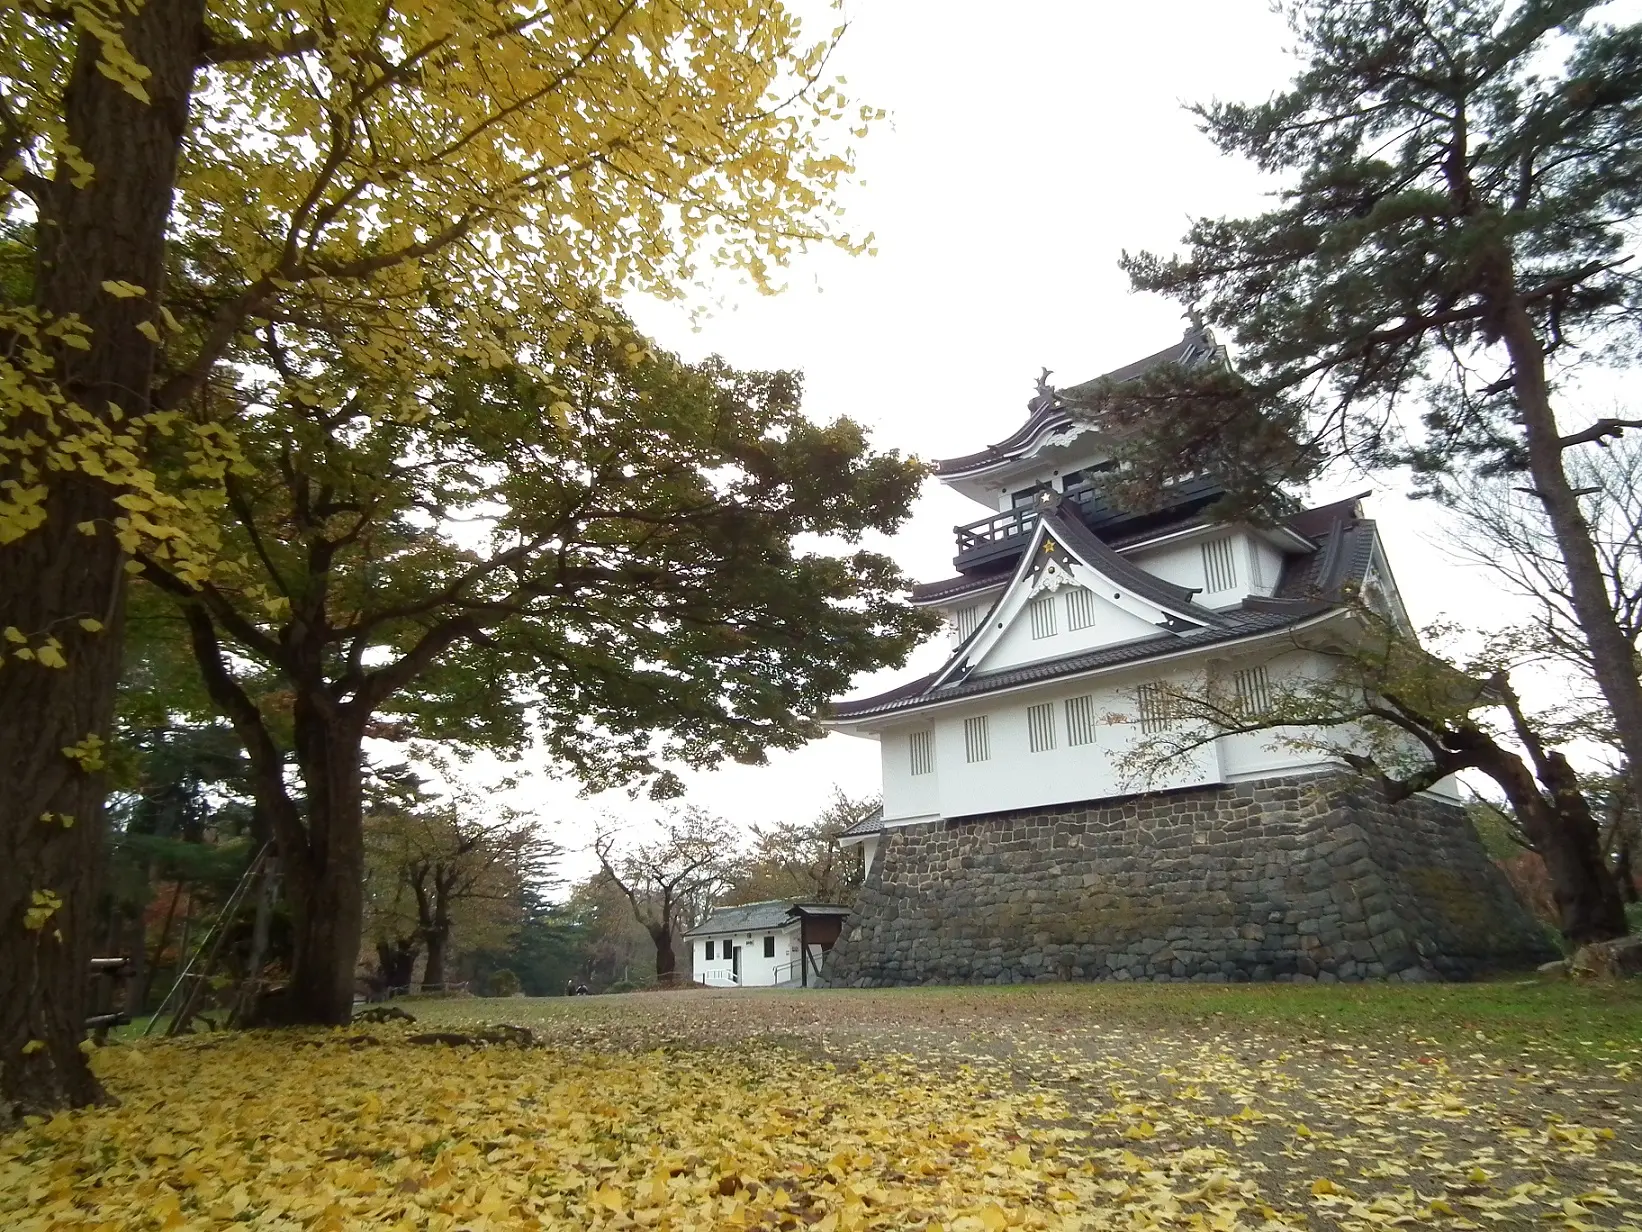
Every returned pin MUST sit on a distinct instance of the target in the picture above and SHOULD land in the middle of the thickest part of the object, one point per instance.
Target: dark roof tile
(1197, 346)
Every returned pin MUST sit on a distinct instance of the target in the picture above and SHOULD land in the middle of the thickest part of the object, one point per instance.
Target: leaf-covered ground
(1075, 1107)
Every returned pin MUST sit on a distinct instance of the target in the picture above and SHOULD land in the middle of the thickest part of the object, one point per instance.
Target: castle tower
(1015, 842)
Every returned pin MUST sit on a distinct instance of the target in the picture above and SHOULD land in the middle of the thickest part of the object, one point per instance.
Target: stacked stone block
(1315, 878)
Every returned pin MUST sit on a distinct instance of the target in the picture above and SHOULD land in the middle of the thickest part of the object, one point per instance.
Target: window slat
(923, 752)
(1040, 727)
(1042, 613)
(1080, 608)
(977, 739)
(1219, 566)
(1080, 720)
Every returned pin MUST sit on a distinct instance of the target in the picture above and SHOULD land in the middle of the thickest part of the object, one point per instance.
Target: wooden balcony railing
(1004, 534)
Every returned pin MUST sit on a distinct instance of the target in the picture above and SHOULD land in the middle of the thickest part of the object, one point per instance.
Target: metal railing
(792, 968)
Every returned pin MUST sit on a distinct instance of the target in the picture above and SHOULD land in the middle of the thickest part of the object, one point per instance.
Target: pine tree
(1453, 235)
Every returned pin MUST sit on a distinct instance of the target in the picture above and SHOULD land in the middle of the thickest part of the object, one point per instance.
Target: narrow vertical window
(967, 619)
(769, 947)
(1080, 720)
(923, 752)
(1042, 612)
(1157, 708)
(1219, 566)
(977, 740)
(1080, 608)
(1040, 727)
(709, 951)
(1252, 689)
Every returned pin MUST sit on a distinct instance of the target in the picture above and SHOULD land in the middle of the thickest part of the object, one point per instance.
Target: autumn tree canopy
(185, 171)
(444, 871)
(600, 561)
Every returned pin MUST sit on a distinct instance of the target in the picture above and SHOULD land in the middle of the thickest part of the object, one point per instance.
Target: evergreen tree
(1453, 235)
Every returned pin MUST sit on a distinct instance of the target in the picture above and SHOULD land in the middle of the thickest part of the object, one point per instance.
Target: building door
(735, 963)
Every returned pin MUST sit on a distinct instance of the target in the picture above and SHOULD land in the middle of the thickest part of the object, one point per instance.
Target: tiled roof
(746, 918)
(1075, 535)
(1310, 585)
(1047, 416)
(756, 917)
(872, 823)
(963, 584)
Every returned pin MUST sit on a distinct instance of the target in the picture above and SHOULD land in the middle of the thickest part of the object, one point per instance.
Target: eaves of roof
(924, 593)
(1240, 624)
(746, 917)
(872, 823)
(1047, 416)
(1097, 555)
(1312, 586)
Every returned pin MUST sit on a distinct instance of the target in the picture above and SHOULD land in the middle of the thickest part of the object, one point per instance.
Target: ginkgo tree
(183, 171)
(624, 562)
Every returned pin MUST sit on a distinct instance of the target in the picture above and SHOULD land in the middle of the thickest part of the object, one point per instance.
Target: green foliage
(503, 983)
(545, 950)
(612, 559)
(1500, 837)
(1442, 162)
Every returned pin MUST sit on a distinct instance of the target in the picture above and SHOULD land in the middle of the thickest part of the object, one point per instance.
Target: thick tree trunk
(326, 885)
(1613, 658)
(1559, 824)
(666, 962)
(433, 975)
(111, 228)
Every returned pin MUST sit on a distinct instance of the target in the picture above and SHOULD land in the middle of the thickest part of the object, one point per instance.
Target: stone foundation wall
(1315, 878)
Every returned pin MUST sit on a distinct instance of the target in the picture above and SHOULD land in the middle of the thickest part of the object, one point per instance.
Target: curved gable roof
(1049, 415)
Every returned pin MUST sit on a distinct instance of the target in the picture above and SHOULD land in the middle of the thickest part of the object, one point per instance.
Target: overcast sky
(1027, 146)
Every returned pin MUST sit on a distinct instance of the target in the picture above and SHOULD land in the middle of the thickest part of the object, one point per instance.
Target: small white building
(763, 945)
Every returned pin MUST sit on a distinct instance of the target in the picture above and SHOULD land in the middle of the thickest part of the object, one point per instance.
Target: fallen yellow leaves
(970, 1125)
(328, 1132)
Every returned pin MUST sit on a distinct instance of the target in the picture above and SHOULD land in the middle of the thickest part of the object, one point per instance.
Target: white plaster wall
(1182, 564)
(1017, 645)
(1270, 565)
(907, 794)
(756, 970)
(1016, 777)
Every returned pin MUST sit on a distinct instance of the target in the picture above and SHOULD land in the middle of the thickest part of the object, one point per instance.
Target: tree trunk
(136, 946)
(433, 975)
(1559, 824)
(112, 228)
(1613, 658)
(397, 959)
(326, 882)
(666, 963)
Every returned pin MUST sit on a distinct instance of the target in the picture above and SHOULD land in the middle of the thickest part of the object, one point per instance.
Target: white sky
(1028, 144)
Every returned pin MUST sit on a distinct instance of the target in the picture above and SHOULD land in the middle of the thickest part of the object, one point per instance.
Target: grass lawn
(1505, 1105)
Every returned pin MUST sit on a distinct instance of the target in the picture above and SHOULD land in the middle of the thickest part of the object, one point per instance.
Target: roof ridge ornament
(1046, 398)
